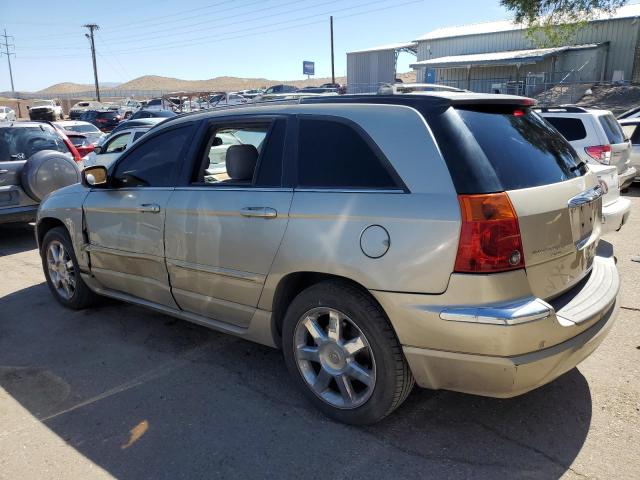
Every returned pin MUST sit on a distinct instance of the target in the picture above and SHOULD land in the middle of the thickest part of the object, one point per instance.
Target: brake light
(601, 153)
(518, 113)
(490, 238)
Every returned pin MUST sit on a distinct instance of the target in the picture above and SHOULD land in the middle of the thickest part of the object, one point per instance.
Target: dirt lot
(119, 391)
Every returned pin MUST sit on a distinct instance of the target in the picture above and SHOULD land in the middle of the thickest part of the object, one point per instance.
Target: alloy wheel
(334, 357)
(61, 270)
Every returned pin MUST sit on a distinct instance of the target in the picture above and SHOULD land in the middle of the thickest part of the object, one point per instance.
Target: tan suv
(451, 238)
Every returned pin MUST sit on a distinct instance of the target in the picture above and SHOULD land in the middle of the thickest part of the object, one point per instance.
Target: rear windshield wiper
(578, 166)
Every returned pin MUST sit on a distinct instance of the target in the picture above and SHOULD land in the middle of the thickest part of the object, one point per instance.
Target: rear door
(620, 147)
(632, 131)
(224, 227)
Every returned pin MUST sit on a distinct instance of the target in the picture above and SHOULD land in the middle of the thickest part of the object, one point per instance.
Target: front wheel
(61, 270)
(343, 353)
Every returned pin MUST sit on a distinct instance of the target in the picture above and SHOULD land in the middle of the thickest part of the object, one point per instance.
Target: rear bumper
(615, 215)
(504, 377)
(18, 214)
(504, 349)
(627, 177)
(47, 115)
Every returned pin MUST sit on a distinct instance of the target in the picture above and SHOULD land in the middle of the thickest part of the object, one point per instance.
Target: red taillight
(518, 113)
(490, 235)
(601, 153)
(101, 120)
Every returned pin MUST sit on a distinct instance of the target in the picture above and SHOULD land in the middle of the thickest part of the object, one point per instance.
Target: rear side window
(503, 148)
(632, 132)
(570, 128)
(611, 129)
(333, 154)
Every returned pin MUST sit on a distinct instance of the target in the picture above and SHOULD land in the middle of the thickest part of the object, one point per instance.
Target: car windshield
(42, 103)
(22, 142)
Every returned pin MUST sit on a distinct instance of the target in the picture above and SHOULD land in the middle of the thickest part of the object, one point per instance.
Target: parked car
(45, 110)
(465, 256)
(596, 135)
(632, 132)
(631, 113)
(110, 150)
(105, 120)
(80, 142)
(79, 108)
(224, 99)
(136, 122)
(318, 90)
(395, 88)
(251, 93)
(89, 130)
(35, 159)
(144, 113)
(280, 89)
(128, 107)
(154, 104)
(7, 114)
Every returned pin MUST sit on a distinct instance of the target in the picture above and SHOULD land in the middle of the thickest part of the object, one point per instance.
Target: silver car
(449, 239)
(632, 132)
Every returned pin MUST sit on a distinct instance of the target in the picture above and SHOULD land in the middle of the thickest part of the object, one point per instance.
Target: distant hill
(70, 87)
(168, 84)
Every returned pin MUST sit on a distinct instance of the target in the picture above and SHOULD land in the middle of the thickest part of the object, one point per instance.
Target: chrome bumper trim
(528, 310)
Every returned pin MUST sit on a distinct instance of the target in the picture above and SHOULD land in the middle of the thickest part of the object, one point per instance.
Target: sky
(201, 39)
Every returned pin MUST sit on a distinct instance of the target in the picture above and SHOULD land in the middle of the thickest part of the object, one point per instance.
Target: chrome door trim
(214, 187)
(587, 196)
(349, 190)
(225, 272)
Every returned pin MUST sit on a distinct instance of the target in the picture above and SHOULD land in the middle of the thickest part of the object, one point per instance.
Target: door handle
(149, 207)
(3, 171)
(259, 212)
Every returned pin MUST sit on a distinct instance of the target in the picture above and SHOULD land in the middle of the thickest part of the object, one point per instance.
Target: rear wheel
(61, 270)
(343, 353)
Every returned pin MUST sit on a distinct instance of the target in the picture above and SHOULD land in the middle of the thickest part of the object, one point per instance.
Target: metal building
(370, 68)
(500, 57)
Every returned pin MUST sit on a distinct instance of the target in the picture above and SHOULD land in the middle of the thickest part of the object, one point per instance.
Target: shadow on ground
(145, 396)
(16, 238)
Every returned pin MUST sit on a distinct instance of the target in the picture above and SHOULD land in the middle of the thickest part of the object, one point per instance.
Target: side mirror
(95, 176)
(97, 149)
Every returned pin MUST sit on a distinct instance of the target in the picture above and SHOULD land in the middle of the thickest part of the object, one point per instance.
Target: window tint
(522, 149)
(153, 163)
(137, 135)
(21, 143)
(270, 163)
(334, 155)
(259, 149)
(570, 128)
(611, 129)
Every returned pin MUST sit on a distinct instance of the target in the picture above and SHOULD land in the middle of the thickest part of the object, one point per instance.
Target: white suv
(596, 135)
(600, 142)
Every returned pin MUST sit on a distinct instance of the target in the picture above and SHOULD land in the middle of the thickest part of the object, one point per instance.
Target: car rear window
(20, 143)
(611, 129)
(107, 114)
(571, 128)
(503, 147)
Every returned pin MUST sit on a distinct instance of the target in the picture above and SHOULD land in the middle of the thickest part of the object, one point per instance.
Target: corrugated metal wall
(622, 35)
(367, 70)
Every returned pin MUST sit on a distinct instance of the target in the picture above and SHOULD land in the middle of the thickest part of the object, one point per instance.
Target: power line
(124, 70)
(6, 45)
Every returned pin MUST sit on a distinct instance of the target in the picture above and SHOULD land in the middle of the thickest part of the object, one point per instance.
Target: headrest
(217, 141)
(241, 162)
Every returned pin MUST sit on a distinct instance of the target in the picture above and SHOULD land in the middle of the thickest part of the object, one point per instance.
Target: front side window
(235, 152)
(154, 162)
(333, 154)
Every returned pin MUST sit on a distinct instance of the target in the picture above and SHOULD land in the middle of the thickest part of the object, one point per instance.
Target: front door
(224, 229)
(125, 222)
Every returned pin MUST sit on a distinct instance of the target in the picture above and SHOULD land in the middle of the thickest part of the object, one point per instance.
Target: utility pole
(92, 27)
(6, 52)
(333, 72)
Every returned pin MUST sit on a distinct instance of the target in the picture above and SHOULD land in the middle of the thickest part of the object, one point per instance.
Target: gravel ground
(119, 391)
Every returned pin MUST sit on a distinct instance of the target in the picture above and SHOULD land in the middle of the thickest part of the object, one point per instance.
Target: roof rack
(564, 108)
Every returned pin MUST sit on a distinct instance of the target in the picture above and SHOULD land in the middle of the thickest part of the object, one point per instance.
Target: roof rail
(564, 108)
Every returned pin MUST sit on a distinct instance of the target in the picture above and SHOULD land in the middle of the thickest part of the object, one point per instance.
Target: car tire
(62, 272)
(361, 399)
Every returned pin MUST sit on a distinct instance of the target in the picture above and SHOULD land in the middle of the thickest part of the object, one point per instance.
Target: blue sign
(431, 75)
(308, 68)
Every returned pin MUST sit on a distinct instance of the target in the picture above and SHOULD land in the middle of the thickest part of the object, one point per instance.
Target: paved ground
(123, 392)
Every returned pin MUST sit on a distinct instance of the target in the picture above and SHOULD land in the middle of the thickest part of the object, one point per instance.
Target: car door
(125, 221)
(632, 132)
(225, 225)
